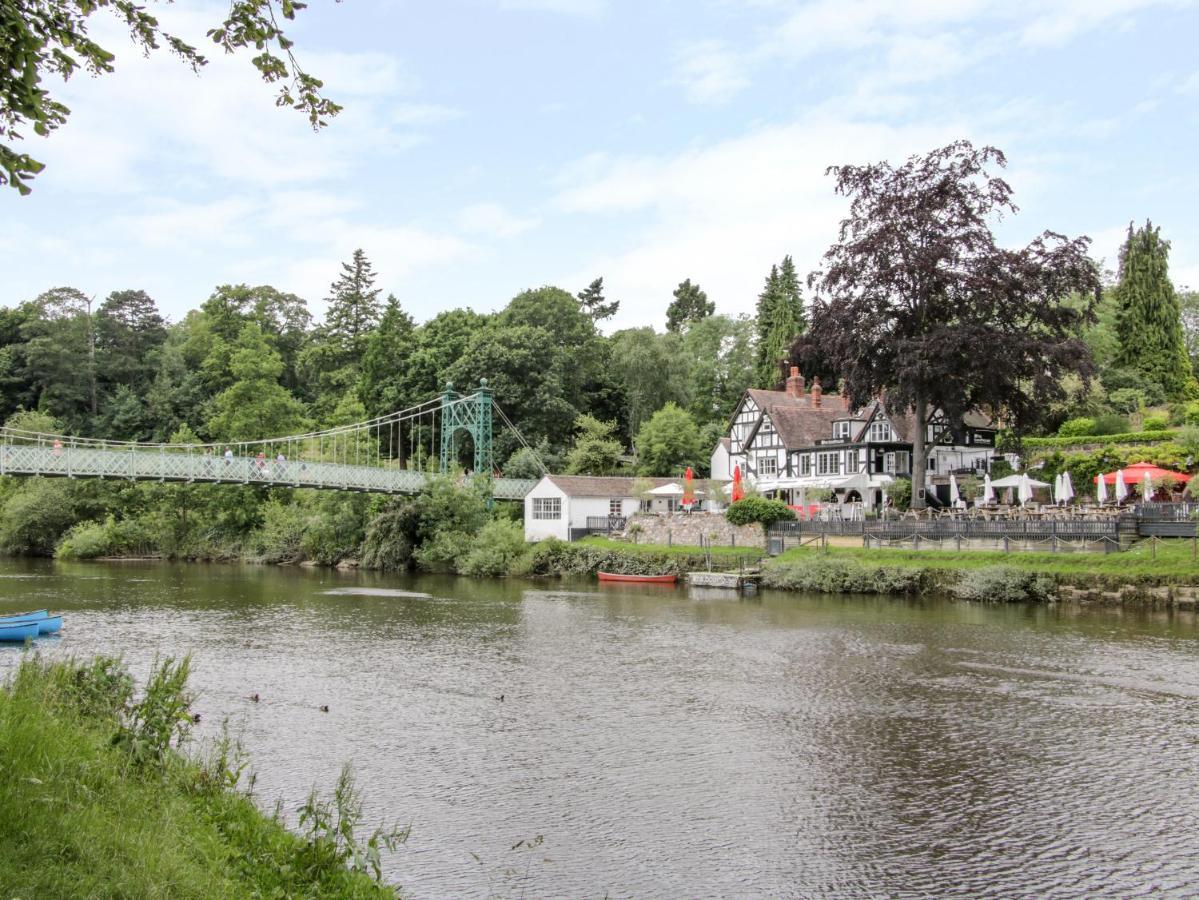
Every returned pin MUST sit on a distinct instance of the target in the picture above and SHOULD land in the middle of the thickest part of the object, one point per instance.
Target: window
(841, 431)
(805, 464)
(615, 508)
(547, 508)
(932, 464)
(897, 463)
(828, 463)
(768, 465)
(880, 432)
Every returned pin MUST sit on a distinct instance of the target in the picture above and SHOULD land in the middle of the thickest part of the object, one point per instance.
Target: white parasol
(1121, 487)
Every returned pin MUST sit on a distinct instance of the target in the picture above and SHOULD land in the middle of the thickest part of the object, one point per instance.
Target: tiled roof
(803, 426)
(611, 486)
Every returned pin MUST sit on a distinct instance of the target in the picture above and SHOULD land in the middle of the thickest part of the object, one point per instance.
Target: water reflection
(675, 744)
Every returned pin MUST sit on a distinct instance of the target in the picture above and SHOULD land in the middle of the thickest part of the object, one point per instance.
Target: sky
(489, 146)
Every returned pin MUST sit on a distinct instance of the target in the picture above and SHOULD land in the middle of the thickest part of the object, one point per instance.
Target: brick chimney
(795, 384)
(817, 390)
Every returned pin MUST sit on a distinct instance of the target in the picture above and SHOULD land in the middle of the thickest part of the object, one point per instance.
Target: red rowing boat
(652, 579)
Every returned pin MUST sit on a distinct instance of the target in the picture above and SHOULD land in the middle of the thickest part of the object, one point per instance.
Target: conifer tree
(354, 307)
(690, 305)
(780, 321)
(1149, 315)
(591, 301)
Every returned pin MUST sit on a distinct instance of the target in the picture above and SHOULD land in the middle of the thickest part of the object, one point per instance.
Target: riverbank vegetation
(1146, 564)
(100, 800)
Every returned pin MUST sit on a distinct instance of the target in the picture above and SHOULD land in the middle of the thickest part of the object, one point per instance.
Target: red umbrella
(688, 489)
(1135, 474)
(738, 490)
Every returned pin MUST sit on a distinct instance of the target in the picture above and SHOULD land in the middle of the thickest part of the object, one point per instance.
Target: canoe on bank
(19, 631)
(46, 623)
(652, 579)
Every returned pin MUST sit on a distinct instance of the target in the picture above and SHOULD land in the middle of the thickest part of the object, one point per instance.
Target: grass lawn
(1172, 561)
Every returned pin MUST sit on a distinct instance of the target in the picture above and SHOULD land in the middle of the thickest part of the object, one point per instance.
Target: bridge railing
(177, 464)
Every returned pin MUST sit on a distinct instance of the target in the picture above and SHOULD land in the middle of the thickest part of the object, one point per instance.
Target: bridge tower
(472, 416)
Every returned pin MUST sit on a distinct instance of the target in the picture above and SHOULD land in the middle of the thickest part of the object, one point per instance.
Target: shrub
(1077, 427)
(900, 493)
(1190, 413)
(497, 550)
(89, 540)
(1154, 423)
(1003, 584)
(841, 576)
(1111, 424)
(760, 510)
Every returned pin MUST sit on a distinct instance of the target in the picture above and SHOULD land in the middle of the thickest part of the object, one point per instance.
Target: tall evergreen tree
(592, 302)
(690, 305)
(354, 306)
(1149, 316)
(780, 321)
(387, 355)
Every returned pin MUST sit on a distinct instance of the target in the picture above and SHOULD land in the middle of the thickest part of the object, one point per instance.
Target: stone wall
(690, 529)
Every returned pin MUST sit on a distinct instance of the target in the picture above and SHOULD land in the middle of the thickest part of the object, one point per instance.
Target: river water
(662, 744)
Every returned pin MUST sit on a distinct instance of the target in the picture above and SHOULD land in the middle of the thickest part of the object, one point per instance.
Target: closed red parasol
(738, 489)
(688, 489)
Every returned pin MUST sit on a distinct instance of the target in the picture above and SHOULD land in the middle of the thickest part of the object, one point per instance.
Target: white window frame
(805, 464)
(880, 432)
(828, 463)
(897, 462)
(842, 430)
(768, 465)
(547, 509)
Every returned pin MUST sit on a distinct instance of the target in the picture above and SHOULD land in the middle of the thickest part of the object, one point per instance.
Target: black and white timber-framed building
(798, 444)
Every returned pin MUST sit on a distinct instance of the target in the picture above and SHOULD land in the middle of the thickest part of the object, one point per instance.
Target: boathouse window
(615, 507)
(768, 465)
(547, 507)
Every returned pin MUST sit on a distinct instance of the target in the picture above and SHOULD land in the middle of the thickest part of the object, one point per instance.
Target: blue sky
(492, 145)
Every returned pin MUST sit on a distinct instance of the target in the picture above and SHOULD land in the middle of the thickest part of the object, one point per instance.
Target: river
(663, 744)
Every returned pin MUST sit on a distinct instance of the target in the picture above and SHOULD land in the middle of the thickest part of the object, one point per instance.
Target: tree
(690, 305)
(591, 300)
(917, 301)
(1149, 315)
(668, 443)
(387, 352)
(780, 321)
(635, 354)
(354, 307)
(596, 450)
(255, 405)
(129, 332)
(60, 353)
(50, 37)
(1188, 300)
(719, 351)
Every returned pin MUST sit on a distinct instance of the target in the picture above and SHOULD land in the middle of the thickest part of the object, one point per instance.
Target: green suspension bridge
(392, 454)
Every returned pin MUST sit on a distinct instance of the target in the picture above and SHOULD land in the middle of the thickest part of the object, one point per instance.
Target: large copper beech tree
(918, 303)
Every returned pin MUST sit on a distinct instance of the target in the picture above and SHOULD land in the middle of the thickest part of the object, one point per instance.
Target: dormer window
(841, 431)
(880, 432)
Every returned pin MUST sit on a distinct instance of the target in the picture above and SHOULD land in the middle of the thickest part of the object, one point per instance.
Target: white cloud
(492, 220)
(709, 72)
(723, 214)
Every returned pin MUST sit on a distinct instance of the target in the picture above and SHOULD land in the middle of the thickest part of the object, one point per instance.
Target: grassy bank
(98, 802)
(1150, 572)
(595, 554)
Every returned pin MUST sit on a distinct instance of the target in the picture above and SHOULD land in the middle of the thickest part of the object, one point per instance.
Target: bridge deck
(176, 466)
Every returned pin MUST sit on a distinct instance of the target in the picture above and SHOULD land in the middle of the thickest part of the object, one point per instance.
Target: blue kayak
(46, 623)
(24, 617)
(20, 631)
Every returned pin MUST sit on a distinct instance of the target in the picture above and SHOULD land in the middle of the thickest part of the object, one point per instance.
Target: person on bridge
(57, 448)
(228, 455)
(260, 461)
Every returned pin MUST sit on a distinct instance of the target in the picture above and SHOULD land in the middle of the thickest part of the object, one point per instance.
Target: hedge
(1129, 437)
